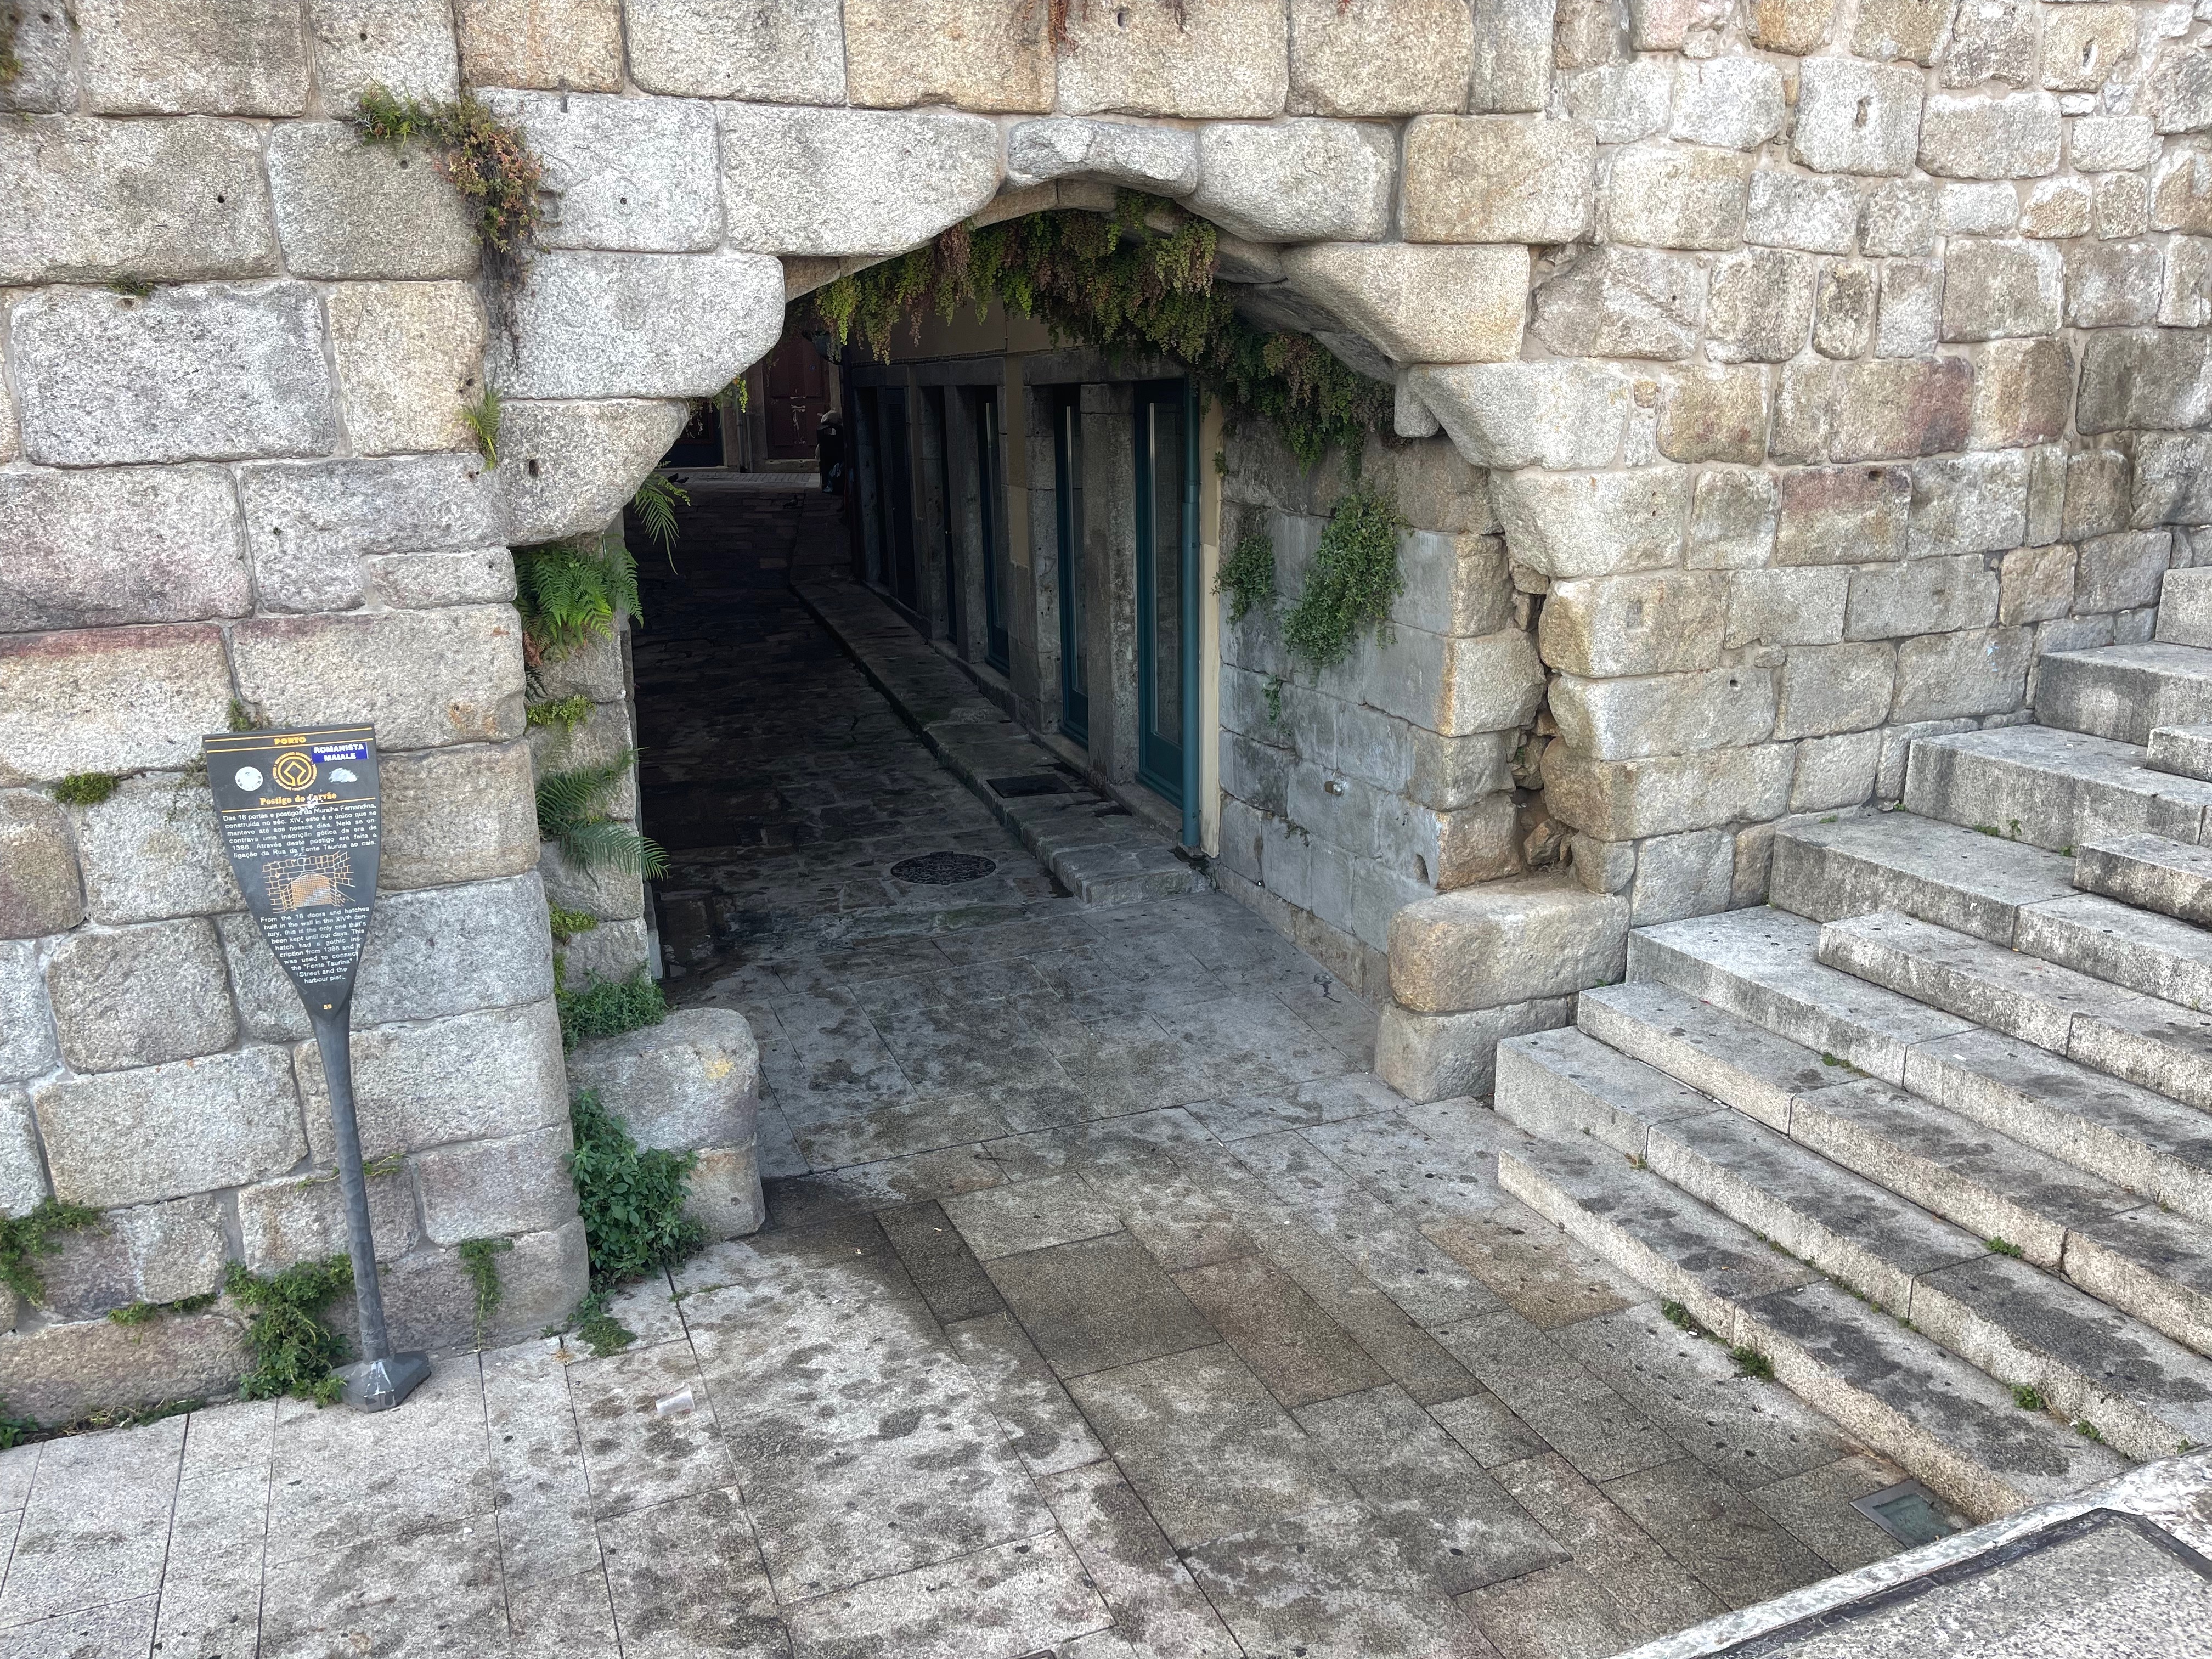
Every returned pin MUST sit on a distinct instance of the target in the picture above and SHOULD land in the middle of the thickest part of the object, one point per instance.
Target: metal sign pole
(302, 823)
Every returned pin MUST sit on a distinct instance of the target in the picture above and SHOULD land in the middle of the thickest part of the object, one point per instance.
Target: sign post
(302, 825)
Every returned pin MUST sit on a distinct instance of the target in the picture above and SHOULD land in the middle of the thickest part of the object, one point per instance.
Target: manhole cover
(1028, 783)
(943, 869)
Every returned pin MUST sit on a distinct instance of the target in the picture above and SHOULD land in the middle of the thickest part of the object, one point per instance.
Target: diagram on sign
(301, 883)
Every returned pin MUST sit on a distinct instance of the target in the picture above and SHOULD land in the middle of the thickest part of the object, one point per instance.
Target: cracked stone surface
(1108, 1304)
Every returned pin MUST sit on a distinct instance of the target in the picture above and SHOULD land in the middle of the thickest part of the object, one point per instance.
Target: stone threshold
(1096, 848)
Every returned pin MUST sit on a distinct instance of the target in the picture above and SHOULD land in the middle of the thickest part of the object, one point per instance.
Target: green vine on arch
(1138, 281)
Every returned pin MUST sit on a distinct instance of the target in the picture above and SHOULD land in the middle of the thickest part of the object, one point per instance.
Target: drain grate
(1908, 1512)
(1028, 783)
(943, 869)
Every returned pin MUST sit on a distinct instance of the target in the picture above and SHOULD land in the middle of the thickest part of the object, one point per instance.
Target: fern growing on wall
(570, 816)
(571, 591)
(655, 508)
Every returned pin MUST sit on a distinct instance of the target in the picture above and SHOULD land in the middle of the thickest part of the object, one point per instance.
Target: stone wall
(1827, 361)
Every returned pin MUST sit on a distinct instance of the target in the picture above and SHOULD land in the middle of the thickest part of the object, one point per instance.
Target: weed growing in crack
(292, 1351)
(1749, 1362)
(480, 1260)
(24, 1239)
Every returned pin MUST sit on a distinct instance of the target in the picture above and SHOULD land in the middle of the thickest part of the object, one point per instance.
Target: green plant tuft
(484, 158)
(1273, 693)
(604, 1333)
(566, 713)
(24, 1239)
(568, 816)
(655, 505)
(2001, 1247)
(11, 17)
(294, 1351)
(2027, 1398)
(13, 1430)
(567, 924)
(1681, 1318)
(138, 1313)
(1355, 576)
(1749, 1362)
(86, 789)
(480, 1257)
(243, 718)
(608, 1007)
(481, 419)
(571, 591)
(131, 288)
(631, 1199)
(2088, 1431)
(1247, 576)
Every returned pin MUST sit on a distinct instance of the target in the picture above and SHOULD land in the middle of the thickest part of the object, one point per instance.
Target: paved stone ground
(1107, 1307)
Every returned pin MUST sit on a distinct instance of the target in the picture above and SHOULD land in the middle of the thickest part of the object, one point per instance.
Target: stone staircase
(1930, 1134)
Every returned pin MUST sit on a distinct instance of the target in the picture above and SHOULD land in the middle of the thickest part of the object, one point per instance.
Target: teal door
(1167, 594)
(1068, 477)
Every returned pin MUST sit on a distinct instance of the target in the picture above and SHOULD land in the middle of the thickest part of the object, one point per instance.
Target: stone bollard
(689, 1084)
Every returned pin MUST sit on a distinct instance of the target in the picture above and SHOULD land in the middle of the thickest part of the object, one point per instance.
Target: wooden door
(798, 397)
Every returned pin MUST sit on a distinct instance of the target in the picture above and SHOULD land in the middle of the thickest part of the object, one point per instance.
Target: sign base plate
(378, 1385)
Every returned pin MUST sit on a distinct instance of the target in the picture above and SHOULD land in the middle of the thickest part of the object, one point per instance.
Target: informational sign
(302, 827)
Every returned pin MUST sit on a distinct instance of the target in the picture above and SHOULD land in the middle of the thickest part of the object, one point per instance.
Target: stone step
(1974, 880)
(1954, 1427)
(2114, 1243)
(2183, 750)
(2143, 1040)
(2150, 873)
(2052, 789)
(2143, 1391)
(2185, 607)
(2121, 691)
(2140, 949)
(1762, 966)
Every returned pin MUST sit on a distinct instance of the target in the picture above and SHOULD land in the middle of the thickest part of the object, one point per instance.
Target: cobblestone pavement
(1107, 1307)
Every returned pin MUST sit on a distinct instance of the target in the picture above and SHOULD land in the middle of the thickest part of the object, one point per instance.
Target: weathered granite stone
(23, 1175)
(2118, 573)
(2173, 484)
(1592, 524)
(1503, 943)
(2035, 584)
(45, 78)
(1663, 622)
(850, 181)
(573, 46)
(567, 469)
(1842, 319)
(2180, 86)
(87, 550)
(155, 201)
(1227, 60)
(151, 851)
(1736, 102)
(1969, 504)
(39, 892)
(484, 1187)
(1676, 196)
(1798, 606)
(2046, 493)
(791, 53)
(349, 208)
(1665, 794)
(109, 699)
(2111, 143)
(1911, 317)
(27, 1025)
(170, 1131)
(2084, 45)
(1496, 179)
(1558, 414)
(1163, 160)
(462, 814)
(1387, 57)
(1420, 305)
(1963, 136)
(592, 669)
(2160, 378)
(2097, 493)
(1713, 415)
(1611, 301)
(1664, 714)
(147, 1253)
(1900, 218)
(430, 1297)
(2181, 197)
(595, 325)
(1732, 519)
(625, 174)
(310, 524)
(2185, 293)
(1803, 210)
(988, 55)
(62, 1372)
(691, 1081)
(2113, 284)
(1995, 290)
(723, 1194)
(1841, 514)
(2121, 206)
(437, 1082)
(1793, 26)
(1981, 671)
(192, 57)
(1427, 1057)
(1761, 307)
(1921, 596)
(1992, 41)
(405, 46)
(208, 372)
(1586, 34)
(2058, 208)
(303, 1219)
(611, 894)
(1871, 411)
(1857, 117)
(421, 581)
(1982, 209)
(409, 356)
(422, 677)
(1297, 180)
(1622, 103)
(140, 996)
(1889, 29)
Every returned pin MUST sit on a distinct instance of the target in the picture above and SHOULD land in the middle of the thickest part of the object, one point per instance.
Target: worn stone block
(2083, 46)
(1834, 772)
(848, 181)
(1841, 514)
(1714, 413)
(421, 677)
(1898, 218)
(494, 1073)
(1678, 876)
(27, 1026)
(2160, 378)
(1589, 33)
(567, 469)
(2113, 284)
(303, 1219)
(462, 814)
(1225, 61)
(1455, 584)
(1971, 504)
(1792, 26)
(311, 524)
(1497, 179)
(141, 996)
(1429, 1057)
(40, 891)
(1664, 714)
(1857, 117)
(612, 895)
(86, 549)
(1555, 414)
(151, 851)
(1887, 29)
(573, 46)
(1865, 411)
(621, 174)
(1449, 686)
(1512, 56)
(1392, 58)
(1835, 688)
(208, 373)
(2120, 206)
(1842, 319)
(1732, 519)
(193, 1126)
(2178, 87)
(613, 949)
(108, 700)
(1921, 596)
(417, 582)
(2021, 391)
(1734, 102)
(2035, 584)
(2097, 493)
(1163, 160)
(1761, 307)
(1611, 301)
(1664, 794)
(63, 1372)
(2002, 289)
(975, 54)
(405, 46)
(2120, 572)
(45, 78)
(1450, 773)
(1911, 315)
(1963, 136)
(724, 1193)
(1989, 208)
(691, 1081)
(349, 208)
(792, 52)
(2057, 208)
(2181, 196)
(1992, 41)
(485, 1187)
(1622, 103)
(408, 357)
(191, 58)
(1801, 210)
(147, 1252)
(1505, 943)
(1298, 180)
(23, 1176)
(2172, 484)
(1682, 197)
(2111, 144)
(1592, 524)
(593, 669)
(593, 325)
(165, 201)
(1793, 606)
(1973, 672)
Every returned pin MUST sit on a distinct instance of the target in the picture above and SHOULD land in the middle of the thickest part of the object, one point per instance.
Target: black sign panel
(301, 823)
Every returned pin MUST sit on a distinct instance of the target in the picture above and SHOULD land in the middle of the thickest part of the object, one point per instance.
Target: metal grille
(943, 869)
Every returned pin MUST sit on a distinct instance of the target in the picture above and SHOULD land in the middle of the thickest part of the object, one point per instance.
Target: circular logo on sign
(293, 771)
(247, 777)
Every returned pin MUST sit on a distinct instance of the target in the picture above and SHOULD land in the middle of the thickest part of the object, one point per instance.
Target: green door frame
(1171, 770)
